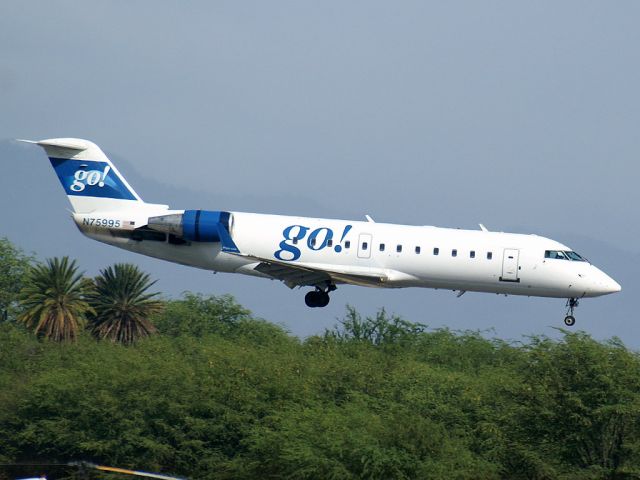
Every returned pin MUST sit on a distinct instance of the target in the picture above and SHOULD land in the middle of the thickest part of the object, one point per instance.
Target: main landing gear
(319, 297)
(570, 320)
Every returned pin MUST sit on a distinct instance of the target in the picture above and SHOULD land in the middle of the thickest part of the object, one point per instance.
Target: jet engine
(195, 225)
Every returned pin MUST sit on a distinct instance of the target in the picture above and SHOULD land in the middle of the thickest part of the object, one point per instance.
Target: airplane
(316, 252)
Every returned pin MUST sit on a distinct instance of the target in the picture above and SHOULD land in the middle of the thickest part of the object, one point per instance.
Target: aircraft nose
(604, 284)
(612, 286)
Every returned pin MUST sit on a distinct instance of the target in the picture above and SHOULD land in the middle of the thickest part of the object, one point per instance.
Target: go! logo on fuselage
(316, 240)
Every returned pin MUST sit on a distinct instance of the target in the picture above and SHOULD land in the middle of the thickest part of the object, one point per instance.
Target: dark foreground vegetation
(219, 394)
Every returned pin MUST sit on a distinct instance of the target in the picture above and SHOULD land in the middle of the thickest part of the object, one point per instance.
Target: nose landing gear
(570, 320)
(319, 297)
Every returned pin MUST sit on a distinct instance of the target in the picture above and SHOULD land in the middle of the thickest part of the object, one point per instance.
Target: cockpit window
(575, 256)
(563, 255)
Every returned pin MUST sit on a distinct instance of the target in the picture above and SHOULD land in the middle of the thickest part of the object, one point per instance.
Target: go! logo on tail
(83, 178)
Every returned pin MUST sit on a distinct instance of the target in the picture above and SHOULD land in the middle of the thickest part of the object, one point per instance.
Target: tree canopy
(14, 265)
(237, 397)
(221, 394)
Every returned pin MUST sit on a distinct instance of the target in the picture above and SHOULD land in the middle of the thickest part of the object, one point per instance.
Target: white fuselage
(402, 255)
(316, 252)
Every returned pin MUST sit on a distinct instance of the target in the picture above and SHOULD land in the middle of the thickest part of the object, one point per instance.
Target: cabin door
(364, 245)
(510, 265)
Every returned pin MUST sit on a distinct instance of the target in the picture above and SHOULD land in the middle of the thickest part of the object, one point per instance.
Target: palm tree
(122, 305)
(54, 299)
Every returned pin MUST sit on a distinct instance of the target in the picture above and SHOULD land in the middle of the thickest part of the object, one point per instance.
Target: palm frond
(123, 305)
(54, 300)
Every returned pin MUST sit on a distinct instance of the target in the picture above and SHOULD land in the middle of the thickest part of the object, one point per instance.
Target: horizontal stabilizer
(60, 143)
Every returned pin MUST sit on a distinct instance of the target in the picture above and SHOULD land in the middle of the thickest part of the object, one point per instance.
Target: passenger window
(454, 253)
(489, 255)
(330, 243)
(382, 247)
(418, 250)
(365, 245)
(347, 244)
(436, 251)
(313, 242)
(295, 240)
(399, 248)
(472, 254)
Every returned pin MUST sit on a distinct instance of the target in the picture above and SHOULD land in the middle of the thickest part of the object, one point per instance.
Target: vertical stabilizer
(91, 182)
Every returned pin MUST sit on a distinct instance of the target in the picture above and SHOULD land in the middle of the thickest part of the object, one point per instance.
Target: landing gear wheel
(311, 299)
(318, 297)
(323, 299)
(570, 320)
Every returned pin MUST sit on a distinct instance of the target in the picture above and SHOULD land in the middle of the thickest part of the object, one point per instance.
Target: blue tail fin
(90, 180)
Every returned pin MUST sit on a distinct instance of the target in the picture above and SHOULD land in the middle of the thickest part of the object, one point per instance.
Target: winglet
(483, 228)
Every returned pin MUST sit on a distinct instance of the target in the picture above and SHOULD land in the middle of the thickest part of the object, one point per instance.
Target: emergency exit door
(510, 265)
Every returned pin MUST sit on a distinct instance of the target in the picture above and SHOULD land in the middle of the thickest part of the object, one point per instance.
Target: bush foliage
(222, 394)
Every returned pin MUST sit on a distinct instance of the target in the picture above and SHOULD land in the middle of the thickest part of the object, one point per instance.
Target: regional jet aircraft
(316, 252)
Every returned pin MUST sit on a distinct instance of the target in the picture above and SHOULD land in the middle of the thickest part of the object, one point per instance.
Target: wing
(301, 274)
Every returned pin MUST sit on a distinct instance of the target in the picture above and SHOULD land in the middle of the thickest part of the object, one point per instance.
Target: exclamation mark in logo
(338, 248)
(104, 176)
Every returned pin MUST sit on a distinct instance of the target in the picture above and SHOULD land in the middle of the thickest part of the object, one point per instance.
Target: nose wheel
(570, 320)
(319, 297)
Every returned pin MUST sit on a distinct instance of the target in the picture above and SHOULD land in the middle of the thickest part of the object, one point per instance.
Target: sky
(519, 115)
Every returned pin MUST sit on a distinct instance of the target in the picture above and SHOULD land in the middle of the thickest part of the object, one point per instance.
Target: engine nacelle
(194, 225)
(204, 225)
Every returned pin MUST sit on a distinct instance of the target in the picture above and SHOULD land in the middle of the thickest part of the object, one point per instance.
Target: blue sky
(519, 115)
